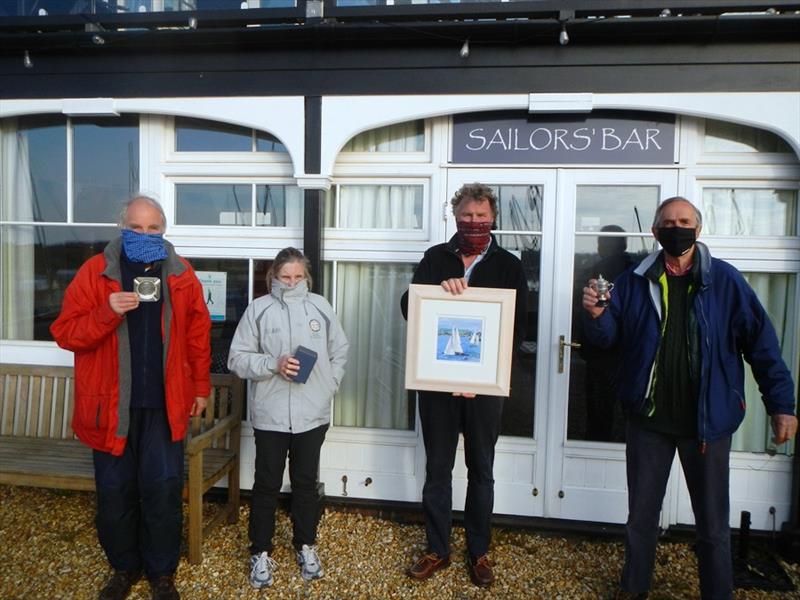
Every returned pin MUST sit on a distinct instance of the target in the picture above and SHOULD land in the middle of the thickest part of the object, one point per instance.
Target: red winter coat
(99, 338)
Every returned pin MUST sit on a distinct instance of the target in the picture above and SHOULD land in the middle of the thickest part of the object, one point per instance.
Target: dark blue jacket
(731, 325)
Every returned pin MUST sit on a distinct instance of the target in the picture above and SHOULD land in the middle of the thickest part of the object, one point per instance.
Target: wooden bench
(38, 447)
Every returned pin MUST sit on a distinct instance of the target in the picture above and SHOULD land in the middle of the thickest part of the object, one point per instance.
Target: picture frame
(460, 343)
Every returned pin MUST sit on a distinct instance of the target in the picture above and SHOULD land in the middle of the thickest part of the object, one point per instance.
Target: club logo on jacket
(314, 325)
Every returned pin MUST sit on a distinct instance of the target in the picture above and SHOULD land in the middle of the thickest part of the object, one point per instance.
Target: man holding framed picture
(472, 257)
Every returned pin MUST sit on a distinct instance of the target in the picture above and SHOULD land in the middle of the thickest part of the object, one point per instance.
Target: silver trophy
(602, 287)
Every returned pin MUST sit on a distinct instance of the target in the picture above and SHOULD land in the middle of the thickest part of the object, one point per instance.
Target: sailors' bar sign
(595, 138)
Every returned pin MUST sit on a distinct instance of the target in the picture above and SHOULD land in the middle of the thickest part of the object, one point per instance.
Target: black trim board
(433, 69)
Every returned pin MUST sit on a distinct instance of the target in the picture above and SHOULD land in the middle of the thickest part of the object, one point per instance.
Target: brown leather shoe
(427, 565)
(163, 588)
(120, 584)
(480, 571)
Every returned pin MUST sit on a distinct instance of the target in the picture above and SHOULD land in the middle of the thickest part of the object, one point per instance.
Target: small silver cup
(602, 287)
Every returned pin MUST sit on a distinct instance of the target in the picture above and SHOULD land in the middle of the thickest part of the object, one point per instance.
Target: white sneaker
(310, 567)
(261, 568)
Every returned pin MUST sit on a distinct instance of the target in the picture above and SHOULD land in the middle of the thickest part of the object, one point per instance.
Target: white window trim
(171, 155)
(381, 236)
(361, 158)
(170, 202)
(753, 157)
(762, 182)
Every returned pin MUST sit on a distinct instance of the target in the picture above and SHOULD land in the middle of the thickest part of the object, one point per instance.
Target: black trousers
(648, 458)
(303, 450)
(139, 506)
(443, 417)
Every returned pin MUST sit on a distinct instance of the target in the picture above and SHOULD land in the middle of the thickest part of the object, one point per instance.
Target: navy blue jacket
(732, 324)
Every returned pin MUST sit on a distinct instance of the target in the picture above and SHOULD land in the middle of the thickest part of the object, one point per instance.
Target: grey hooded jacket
(275, 325)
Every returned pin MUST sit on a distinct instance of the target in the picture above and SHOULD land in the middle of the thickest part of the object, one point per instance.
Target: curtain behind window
(17, 246)
(777, 293)
(373, 393)
(380, 206)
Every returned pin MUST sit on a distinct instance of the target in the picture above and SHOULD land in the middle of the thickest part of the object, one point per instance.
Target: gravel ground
(48, 549)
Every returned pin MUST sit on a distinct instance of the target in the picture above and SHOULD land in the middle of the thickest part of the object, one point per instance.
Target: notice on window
(215, 286)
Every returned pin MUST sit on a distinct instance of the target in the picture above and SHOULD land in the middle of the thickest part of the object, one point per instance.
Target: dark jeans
(443, 417)
(271, 450)
(649, 456)
(139, 507)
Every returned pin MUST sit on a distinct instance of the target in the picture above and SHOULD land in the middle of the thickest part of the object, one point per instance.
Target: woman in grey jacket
(287, 416)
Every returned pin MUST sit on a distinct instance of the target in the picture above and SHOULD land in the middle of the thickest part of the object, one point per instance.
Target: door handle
(563, 343)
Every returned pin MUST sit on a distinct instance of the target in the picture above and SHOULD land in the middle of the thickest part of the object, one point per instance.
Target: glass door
(603, 226)
(524, 227)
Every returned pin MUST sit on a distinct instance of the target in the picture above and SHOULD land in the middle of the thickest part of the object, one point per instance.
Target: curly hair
(475, 191)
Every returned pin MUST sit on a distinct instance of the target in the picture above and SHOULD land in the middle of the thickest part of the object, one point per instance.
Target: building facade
(345, 128)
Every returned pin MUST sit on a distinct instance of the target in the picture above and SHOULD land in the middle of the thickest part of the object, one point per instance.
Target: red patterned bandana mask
(473, 237)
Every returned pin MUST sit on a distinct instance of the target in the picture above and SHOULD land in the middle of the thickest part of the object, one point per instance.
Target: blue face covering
(143, 247)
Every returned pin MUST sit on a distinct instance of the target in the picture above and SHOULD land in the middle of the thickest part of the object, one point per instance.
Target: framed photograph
(460, 343)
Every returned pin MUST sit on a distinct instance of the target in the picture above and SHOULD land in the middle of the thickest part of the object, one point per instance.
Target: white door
(526, 215)
(556, 457)
(603, 226)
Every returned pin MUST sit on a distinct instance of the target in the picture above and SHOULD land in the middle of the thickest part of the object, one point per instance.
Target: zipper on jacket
(289, 396)
(651, 387)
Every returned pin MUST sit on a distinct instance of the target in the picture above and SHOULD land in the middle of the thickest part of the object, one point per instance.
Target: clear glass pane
(777, 292)
(401, 137)
(38, 264)
(746, 211)
(594, 413)
(198, 135)
(279, 206)
(236, 284)
(266, 142)
(213, 204)
(631, 207)
(722, 136)
(105, 167)
(372, 393)
(621, 217)
(519, 207)
(34, 169)
(518, 410)
(380, 206)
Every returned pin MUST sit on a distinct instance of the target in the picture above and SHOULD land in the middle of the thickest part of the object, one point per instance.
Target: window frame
(345, 158)
(172, 156)
(743, 246)
(740, 158)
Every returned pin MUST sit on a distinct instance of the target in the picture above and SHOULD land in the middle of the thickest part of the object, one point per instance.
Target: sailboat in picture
(475, 338)
(453, 347)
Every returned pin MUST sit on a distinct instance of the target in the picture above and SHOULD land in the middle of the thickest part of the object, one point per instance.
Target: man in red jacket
(136, 320)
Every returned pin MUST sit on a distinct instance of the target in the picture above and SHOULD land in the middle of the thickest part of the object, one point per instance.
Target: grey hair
(657, 218)
(123, 214)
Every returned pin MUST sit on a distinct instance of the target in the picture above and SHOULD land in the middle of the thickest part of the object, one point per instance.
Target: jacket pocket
(90, 418)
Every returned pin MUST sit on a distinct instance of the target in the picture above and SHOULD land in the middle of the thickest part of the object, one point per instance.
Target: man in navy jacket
(682, 321)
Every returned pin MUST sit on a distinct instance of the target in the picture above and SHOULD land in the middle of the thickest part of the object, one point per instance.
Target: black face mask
(676, 241)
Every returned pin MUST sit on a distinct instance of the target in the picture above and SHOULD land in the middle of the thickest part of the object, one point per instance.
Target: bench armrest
(200, 442)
